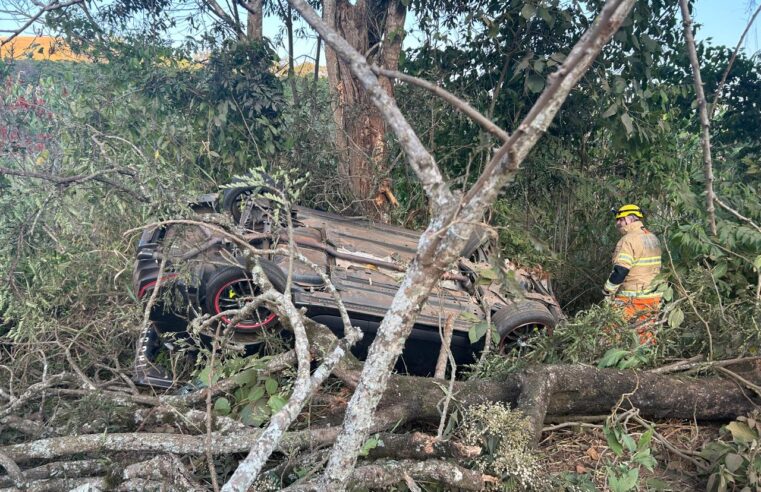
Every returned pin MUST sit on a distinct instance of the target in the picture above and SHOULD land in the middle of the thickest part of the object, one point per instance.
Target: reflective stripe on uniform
(648, 261)
(611, 287)
(639, 294)
(624, 260)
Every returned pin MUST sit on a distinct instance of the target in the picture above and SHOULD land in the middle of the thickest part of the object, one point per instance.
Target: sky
(722, 21)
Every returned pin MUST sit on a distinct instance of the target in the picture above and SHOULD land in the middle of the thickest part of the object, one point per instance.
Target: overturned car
(205, 273)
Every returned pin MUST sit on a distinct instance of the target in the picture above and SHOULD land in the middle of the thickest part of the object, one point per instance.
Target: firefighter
(636, 263)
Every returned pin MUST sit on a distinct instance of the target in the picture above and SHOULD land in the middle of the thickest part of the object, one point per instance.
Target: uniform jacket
(640, 251)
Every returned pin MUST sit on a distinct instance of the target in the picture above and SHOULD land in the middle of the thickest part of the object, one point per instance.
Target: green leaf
(222, 406)
(657, 485)
(371, 443)
(613, 109)
(757, 263)
(468, 316)
(645, 459)
(528, 11)
(628, 442)
(612, 357)
(733, 462)
(256, 393)
(613, 443)
(645, 440)
(558, 57)
(477, 331)
(254, 414)
(668, 294)
(247, 377)
(630, 362)
(276, 402)
(625, 482)
(535, 83)
(676, 317)
(207, 378)
(488, 273)
(628, 124)
(544, 13)
(720, 269)
(741, 433)
(271, 386)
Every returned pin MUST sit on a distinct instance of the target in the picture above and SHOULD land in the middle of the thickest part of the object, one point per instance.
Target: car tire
(479, 236)
(517, 322)
(226, 286)
(232, 197)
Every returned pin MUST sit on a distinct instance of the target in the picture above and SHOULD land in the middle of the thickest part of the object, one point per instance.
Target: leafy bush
(735, 458)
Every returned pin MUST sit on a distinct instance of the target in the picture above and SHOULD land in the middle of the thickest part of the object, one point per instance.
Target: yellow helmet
(627, 210)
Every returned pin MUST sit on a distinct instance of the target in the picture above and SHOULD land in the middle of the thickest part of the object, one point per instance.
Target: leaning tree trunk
(376, 28)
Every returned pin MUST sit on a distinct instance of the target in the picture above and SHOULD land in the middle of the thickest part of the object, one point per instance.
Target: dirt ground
(584, 450)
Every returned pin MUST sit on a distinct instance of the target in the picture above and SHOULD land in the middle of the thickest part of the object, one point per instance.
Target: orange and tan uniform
(637, 258)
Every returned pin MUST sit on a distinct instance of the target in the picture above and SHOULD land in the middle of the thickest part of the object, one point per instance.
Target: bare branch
(218, 11)
(66, 181)
(446, 340)
(736, 213)
(456, 102)
(705, 124)
(55, 5)
(720, 87)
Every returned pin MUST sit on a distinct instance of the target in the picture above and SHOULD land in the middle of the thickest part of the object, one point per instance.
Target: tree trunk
(375, 28)
(577, 391)
(255, 19)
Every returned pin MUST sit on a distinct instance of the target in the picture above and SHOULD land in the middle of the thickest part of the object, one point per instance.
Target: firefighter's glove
(609, 290)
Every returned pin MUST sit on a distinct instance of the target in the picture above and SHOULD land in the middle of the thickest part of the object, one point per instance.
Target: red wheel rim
(229, 296)
(145, 288)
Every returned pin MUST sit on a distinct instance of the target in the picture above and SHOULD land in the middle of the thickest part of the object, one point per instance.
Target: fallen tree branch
(687, 455)
(386, 474)
(536, 392)
(12, 469)
(418, 446)
(55, 484)
(62, 469)
(677, 366)
(579, 390)
(162, 468)
(454, 220)
(733, 375)
(34, 391)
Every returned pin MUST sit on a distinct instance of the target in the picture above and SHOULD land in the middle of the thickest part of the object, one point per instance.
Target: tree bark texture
(374, 28)
(255, 19)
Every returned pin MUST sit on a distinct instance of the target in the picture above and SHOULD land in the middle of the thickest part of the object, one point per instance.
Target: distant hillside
(47, 48)
(38, 48)
(305, 69)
